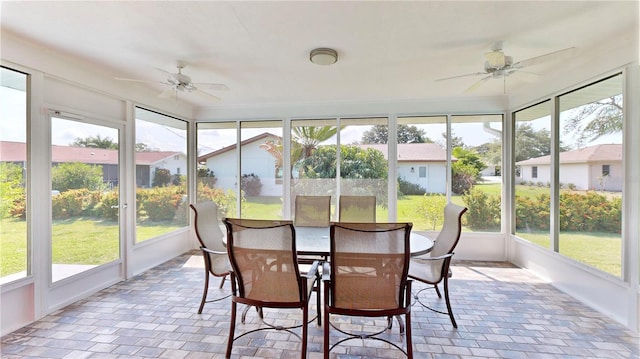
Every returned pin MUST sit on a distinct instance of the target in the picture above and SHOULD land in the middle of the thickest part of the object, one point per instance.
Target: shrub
(251, 185)
(431, 208)
(533, 213)
(74, 203)
(226, 201)
(408, 188)
(161, 177)
(76, 175)
(484, 210)
(163, 203)
(463, 178)
(12, 191)
(109, 206)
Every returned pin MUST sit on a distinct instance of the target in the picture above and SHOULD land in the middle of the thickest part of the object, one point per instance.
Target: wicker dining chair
(265, 274)
(434, 267)
(214, 253)
(367, 277)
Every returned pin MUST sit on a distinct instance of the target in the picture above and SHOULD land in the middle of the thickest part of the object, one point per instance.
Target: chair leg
(305, 318)
(222, 282)
(408, 336)
(446, 298)
(232, 328)
(318, 308)
(326, 324)
(435, 286)
(206, 289)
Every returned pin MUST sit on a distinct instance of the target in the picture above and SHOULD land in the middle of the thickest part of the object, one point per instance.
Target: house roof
(17, 152)
(233, 146)
(596, 153)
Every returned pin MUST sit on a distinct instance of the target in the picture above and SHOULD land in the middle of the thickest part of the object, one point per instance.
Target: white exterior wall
(225, 169)
(253, 160)
(613, 182)
(576, 174)
(171, 164)
(436, 175)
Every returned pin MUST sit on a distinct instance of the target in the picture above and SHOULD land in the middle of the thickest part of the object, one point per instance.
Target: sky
(167, 138)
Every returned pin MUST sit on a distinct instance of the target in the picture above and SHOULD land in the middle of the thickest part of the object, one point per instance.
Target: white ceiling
(391, 50)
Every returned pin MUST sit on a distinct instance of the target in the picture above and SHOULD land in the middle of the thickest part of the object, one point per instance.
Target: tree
(143, 147)
(406, 134)
(309, 137)
(76, 175)
(96, 141)
(11, 187)
(356, 163)
(466, 170)
(161, 177)
(596, 119)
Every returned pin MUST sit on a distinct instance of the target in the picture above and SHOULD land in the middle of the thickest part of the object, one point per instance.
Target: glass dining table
(314, 241)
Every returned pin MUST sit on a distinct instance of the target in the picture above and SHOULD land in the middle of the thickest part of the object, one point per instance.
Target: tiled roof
(16, 152)
(596, 153)
(233, 146)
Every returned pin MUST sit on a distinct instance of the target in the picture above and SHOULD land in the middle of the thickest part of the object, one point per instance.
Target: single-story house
(146, 162)
(597, 167)
(424, 164)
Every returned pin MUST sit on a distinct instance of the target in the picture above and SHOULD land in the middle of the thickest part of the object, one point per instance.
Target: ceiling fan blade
(135, 80)
(477, 84)
(459, 76)
(546, 57)
(211, 86)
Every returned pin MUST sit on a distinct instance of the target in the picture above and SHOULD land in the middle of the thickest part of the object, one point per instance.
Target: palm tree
(311, 136)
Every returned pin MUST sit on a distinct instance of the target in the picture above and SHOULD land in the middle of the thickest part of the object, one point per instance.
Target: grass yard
(83, 241)
(600, 250)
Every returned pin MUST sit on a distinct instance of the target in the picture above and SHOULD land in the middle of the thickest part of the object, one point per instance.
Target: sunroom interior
(407, 96)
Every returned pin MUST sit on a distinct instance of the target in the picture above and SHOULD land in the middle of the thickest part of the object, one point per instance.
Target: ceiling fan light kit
(323, 56)
(498, 65)
(179, 82)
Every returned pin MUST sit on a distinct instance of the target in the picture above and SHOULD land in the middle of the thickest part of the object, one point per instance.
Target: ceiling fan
(178, 82)
(497, 65)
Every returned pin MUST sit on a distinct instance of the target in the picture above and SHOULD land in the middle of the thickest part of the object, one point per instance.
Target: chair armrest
(444, 256)
(207, 250)
(326, 272)
(313, 271)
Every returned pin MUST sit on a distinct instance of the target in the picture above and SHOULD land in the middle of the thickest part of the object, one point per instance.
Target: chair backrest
(263, 257)
(313, 211)
(360, 209)
(369, 265)
(207, 225)
(450, 233)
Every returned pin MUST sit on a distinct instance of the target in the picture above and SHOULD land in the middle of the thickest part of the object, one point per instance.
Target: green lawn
(81, 241)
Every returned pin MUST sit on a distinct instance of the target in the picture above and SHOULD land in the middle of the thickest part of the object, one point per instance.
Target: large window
(217, 166)
(13, 164)
(422, 171)
(161, 168)
(85, 197)
(476, 164)
(313, 159)
(364, 166)
(532, 149)
(261, 161)
(591, 124)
